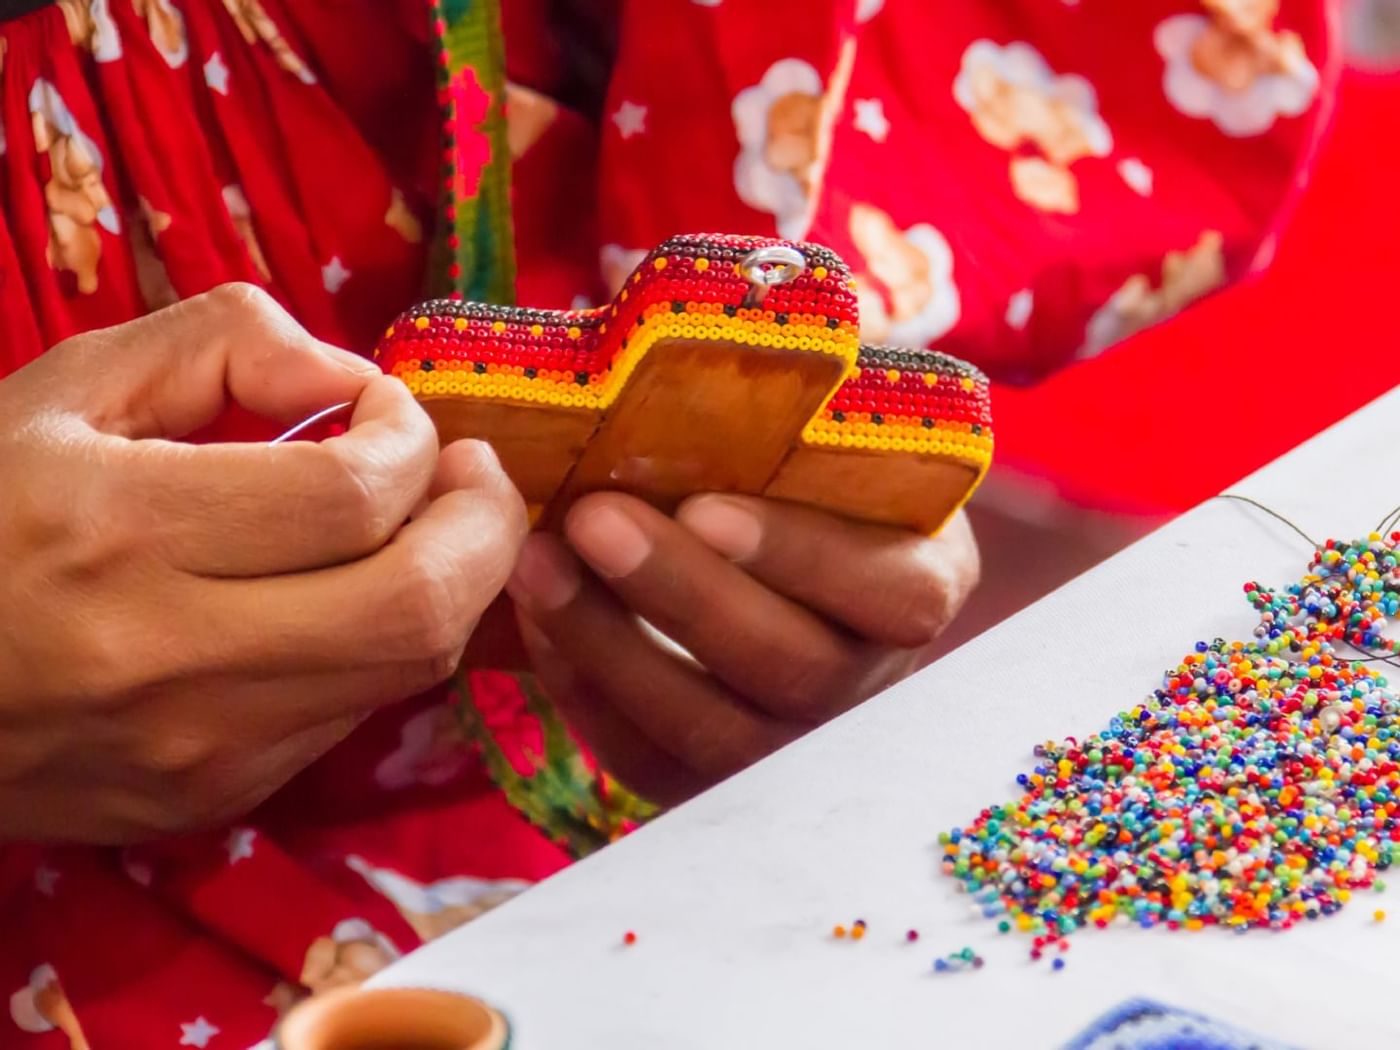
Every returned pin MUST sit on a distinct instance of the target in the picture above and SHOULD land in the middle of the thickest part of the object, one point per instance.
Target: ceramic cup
(392, 1019)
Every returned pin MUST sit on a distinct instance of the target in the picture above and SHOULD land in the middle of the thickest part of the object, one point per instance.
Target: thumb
(175, 371)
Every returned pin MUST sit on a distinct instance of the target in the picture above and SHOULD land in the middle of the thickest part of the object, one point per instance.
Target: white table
(733, 896)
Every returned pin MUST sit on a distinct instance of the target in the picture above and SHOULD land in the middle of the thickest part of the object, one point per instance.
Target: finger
(768, 648)
(620, 747)
(674, 703)
(175, 371)
(889, 585)
(414, 601)
(254, 510)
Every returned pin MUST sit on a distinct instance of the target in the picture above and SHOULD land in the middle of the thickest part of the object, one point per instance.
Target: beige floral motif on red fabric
(354, 952)
(40, 1006)
(77, 200)
(529, 115)
(1187, 275)
(906, 293)
(256, 25)
(151, 275)
(167, 28)
(435, 908)
(90, 27)
(784, 125)
(401, 220)
(1232, 67)
(433, 749)
(242, 217)
(1018, 103)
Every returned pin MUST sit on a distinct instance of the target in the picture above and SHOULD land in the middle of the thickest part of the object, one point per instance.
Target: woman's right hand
(184, 627)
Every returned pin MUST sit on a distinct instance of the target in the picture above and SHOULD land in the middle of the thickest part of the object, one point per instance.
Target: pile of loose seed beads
(1258, 786)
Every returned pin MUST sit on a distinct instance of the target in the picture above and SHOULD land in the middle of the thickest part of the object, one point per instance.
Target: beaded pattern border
(691, 288)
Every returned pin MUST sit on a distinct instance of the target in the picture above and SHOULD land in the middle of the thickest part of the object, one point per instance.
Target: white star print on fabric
(240, 844)
(197, 1032)
(1137, 175)
(45, 879)
(334, 275)
(216, 74)
(631, 119)
(871, 119)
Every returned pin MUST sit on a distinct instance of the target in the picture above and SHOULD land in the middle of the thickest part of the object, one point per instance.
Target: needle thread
(1388, 522)
(311, 421)
(1272, 513)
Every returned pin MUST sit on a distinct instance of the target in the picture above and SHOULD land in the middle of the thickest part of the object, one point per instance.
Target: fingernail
(723, 524)
(351, 362)
(608, 540)
(545, 577)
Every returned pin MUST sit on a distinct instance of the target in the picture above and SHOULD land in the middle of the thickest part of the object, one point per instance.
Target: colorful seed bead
(1256, 788)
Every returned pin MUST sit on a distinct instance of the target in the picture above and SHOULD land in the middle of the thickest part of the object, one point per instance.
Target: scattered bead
(1379, 915)
(1058, 964)
(912, 936)
(966, 959)
(629, 938)
(857, 932)
(839, 932)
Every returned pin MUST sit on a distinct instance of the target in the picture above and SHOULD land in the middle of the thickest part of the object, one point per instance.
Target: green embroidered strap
(562, 796)
(479, 237)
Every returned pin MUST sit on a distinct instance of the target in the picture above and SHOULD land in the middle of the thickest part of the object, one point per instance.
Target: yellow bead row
(426, 385)
(975, 449)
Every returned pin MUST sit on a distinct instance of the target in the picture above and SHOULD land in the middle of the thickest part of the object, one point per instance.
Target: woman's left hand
(793, 615)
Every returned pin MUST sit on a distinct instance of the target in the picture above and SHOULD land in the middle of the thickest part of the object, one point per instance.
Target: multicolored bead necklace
(1257, 787)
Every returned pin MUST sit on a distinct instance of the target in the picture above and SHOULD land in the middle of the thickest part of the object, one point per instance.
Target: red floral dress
(1021, 183)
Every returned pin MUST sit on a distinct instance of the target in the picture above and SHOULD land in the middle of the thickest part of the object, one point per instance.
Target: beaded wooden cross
(726, 364)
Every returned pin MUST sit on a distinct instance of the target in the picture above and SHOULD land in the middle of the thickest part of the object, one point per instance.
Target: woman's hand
(794, 615)
(183, 627)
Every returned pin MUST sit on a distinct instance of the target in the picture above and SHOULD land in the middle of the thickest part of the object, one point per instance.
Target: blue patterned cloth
(1141, 1024)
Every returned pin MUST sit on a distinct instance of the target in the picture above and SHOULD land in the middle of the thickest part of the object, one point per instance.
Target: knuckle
(933, 599)
(106, 663)
(478, 462)
(178, 755)
(241, 297)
